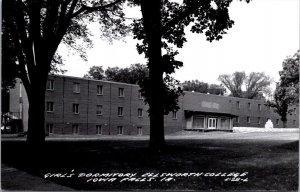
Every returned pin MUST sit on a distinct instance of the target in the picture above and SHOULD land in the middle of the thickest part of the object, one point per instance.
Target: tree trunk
(36, 113)
(151, 11)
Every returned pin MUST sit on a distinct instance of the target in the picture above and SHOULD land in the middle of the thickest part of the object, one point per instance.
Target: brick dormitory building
(89, 107)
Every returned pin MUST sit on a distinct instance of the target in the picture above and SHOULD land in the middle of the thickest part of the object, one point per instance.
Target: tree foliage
(201, 87)
(256, 84)
(287, 89)
(35, 30)
(95, 72)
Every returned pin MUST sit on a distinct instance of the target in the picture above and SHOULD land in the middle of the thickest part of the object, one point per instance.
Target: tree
(287, 89)
(289, 76)
(216, 89)
(255, 83)
(132, 75)
(281, 103)
(196, 86)
(95, 72)
(162, 26)
(37, 28)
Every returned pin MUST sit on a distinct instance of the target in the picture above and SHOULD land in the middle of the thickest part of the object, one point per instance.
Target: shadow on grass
(268, 165)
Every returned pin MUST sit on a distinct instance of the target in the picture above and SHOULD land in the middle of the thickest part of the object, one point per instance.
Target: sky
(264, 34)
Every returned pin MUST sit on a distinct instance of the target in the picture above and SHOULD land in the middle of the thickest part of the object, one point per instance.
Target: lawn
(209, 164)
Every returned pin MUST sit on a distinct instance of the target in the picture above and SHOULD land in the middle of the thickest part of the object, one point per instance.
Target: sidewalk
(13, 179)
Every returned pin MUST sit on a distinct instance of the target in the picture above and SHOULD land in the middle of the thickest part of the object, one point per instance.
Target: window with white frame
(76, 88)
(49, 107)
(139, 130)
(75, 108)
(121, 92)
(174, 114)
(75, 129)
(120, 111)
(120, 130)
(99, 110)
(99, 90)
(98, 129)
(140, 112)
(50, 128)
(50, 85)
(248, 119)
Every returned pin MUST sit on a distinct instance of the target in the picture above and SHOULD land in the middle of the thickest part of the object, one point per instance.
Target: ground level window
(75, 129)
(50, 128)
(248, 120)
(258, 120)
(99, 129)
(139, 131)
(294, 122)
(277, 121)
(120, 130)
(174, 115)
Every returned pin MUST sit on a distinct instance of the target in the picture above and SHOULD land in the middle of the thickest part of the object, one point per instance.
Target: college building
(94, 107)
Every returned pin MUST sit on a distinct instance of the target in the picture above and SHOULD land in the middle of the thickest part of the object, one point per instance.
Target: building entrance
(212, 123)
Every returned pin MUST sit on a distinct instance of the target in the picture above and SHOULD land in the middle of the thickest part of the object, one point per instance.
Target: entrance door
(212, 123)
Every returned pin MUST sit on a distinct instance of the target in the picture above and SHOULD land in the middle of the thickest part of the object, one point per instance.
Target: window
(121, 92)
(98, 129)
(75, 129)
(174, 115)
(140, 112)
(249, 105)
(294, 122)
(75, 108)
(50, 84)
(50, 128)
(295, 111)
(120, 111)
(248, 120)
(76, 88)
(99, 90)
(99, 110)
(237, 119)
(259, 107)
(120, 130)
(277, 121)
(140, 95)
(139, 131)
(238, 104)
(49, 107)
(258, 120)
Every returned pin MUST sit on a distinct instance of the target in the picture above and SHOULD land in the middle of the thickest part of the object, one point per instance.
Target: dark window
(49, 107)
(237, 119)
(121, 92)
(120, 130)
(99, 110)
(75, 129)
(174, 115)
(238, 104)
(50, 85)
(258, 120)
(50, 128)
(76, 88)
(277, 121)
(99, 90)
(249, 105)
(294, 122)
(140, 95)
(259, 107)
(139, 131)
(120, 111)
(140, 112)
(99, 129)
(248, 119)
(75, 108)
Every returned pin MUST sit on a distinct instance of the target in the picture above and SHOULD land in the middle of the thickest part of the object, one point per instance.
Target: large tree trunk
(151, 11)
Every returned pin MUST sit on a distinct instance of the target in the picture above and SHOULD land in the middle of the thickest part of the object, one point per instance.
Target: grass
(271, 165)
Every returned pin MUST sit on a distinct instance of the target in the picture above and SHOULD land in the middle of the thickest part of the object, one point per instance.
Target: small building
(94, 107)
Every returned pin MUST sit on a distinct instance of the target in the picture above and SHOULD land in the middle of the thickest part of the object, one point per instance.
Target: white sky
(264, 34)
